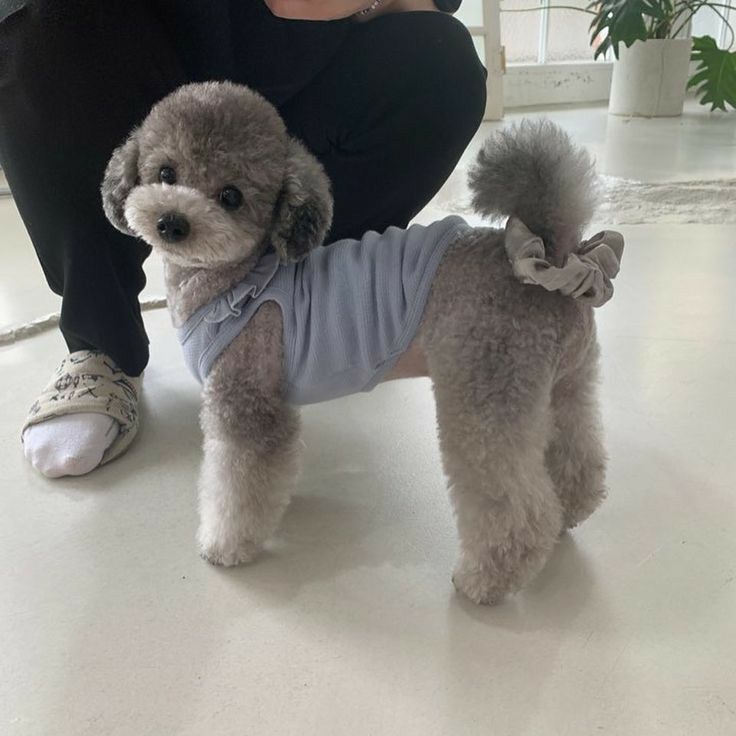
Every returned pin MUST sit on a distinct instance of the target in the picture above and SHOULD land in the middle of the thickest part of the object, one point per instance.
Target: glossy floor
(110, 623)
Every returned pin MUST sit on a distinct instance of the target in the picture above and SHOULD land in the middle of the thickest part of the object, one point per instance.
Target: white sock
(72, 444)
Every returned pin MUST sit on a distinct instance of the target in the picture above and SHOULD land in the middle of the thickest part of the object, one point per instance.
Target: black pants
(387, 106)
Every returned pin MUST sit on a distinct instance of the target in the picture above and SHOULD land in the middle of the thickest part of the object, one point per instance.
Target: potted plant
(650, 77)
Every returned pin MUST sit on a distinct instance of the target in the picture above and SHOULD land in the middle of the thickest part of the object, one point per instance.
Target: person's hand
(316, 9)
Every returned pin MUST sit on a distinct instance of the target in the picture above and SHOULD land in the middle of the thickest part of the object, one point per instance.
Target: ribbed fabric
(349, 310)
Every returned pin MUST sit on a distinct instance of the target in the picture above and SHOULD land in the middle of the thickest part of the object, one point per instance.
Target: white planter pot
(650, 78)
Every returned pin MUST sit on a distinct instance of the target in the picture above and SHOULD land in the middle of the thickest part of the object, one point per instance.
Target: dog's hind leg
(493, 432)
(576, 458)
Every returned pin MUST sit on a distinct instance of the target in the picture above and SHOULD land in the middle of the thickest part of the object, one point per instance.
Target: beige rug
(630, 202)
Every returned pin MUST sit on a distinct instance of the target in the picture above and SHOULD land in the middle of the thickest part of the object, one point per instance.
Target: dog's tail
(533, 171)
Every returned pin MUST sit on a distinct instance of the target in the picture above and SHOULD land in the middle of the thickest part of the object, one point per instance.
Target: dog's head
(211, 176)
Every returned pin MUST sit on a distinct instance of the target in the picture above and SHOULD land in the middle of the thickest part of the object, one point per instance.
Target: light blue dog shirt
(349, 310)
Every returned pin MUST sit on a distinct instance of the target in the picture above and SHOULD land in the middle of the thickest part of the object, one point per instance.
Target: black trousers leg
(75, 77)
(391, 115)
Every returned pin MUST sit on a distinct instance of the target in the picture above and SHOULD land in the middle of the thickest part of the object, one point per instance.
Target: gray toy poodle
(500, 320)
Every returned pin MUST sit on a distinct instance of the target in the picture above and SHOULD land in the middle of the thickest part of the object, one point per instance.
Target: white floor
(110, 624)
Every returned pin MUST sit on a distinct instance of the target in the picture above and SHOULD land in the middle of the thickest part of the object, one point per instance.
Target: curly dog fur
(513, 366)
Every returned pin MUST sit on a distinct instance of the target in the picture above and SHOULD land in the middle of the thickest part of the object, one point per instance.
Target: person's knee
(27, 27)
(437, 73)
(12, 10)
(13, 16)
(449, 72)
(42, 38)
(31, 22)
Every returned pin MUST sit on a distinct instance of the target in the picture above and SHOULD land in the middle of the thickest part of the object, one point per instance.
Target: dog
(213, 182)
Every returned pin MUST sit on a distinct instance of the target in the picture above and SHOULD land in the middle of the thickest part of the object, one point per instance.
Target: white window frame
(541, 83)
(490, 31)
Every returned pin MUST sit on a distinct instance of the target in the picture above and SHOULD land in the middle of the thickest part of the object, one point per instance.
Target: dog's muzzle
(172, 227)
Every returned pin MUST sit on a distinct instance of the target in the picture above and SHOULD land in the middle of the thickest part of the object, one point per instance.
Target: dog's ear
(303, 211)
(121, 176)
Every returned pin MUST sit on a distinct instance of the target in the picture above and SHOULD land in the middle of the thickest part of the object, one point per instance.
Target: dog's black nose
(172, 227)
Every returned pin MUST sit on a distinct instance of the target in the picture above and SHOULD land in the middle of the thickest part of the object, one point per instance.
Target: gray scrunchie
(586, 274)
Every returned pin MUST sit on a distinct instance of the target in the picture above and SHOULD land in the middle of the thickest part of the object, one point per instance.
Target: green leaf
(624, 20)
(715, 76)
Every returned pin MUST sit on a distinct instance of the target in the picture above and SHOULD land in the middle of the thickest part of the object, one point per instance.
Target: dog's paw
(479, 585)
(500, 572)
(227, 553)
(577, 508)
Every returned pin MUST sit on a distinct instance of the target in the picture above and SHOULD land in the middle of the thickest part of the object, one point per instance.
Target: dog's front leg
(244, 488)
(251, 439)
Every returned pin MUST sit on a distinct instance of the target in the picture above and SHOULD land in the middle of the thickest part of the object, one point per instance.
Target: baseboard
(527, 85)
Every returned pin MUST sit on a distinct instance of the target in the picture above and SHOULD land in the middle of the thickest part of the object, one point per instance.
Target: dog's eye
(231, 198)
(167, 175)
